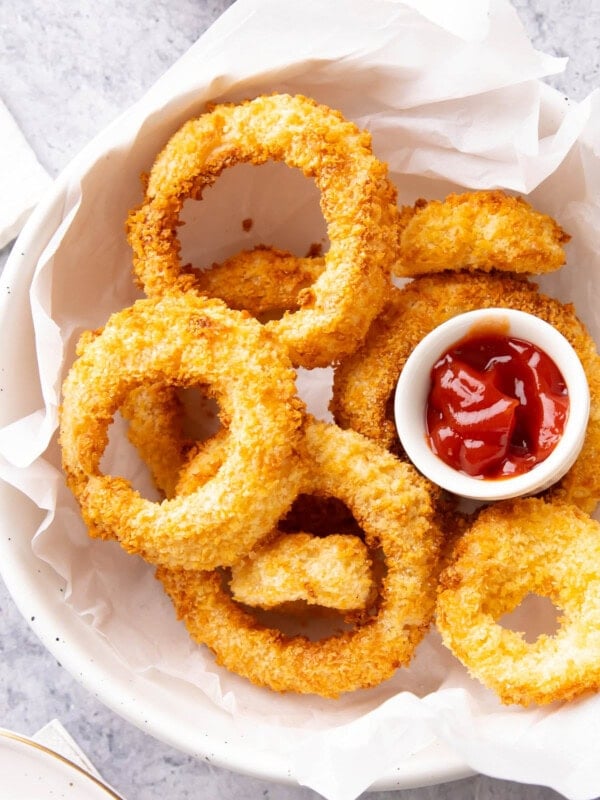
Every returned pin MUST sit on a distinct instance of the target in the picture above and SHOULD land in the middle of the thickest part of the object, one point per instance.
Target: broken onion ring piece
(333, 571)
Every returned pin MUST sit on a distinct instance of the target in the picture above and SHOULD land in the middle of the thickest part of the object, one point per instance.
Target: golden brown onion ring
(484, 230)
(185, 340)
(357, 199)
(393, 506)
(512, 550)
(364, 383)
(261, 280)
(155, 415)
(333, 571)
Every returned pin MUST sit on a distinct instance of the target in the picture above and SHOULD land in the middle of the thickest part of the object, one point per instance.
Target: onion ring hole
(272, 196)
(535, 616)
(133, 438)
(121, 457)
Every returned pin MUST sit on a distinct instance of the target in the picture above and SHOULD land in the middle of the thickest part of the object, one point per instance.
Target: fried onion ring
(483, 230)
(393, 506)
(184, 340)
(155, 416)
(333, 571)
(364, 383)
(514, 549)
(261, 280)
(358, 202)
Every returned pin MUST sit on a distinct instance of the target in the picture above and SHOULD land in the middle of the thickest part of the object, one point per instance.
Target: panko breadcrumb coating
(483, 230)
(332, 571)
(155, 415)
(514, 549)
(358, 202)
(187, 340)
(393, 507)
(261, 280)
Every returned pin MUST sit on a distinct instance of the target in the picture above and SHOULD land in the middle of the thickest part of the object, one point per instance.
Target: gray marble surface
(67, 68)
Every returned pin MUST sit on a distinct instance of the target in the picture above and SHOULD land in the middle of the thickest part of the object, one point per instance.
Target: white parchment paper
(453, 96)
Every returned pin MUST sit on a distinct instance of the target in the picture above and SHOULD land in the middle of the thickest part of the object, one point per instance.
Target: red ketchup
(497, 405)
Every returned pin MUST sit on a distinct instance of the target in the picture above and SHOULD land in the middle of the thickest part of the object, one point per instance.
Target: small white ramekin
(414, 385)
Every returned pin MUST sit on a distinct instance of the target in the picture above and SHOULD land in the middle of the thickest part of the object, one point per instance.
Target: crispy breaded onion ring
(483, 230)
(392, 504)
(514, 549)
(364, 383)
(332, 571)
(357, 199)
(155, 415)
(261, 280)
(185, 340)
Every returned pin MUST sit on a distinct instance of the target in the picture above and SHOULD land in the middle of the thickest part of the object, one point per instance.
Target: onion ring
(155, 416)
(357, 199)
(333, 571)
(513, 549)
(261, 280)
(483, 230)
(393, 506)
(364, 383)
(184, 340)
(330, 570)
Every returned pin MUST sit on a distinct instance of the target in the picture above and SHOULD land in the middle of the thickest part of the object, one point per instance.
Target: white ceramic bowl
(80, 223)
(414, 385)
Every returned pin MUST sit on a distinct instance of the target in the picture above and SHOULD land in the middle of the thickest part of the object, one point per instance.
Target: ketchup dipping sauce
(497, 406)
(491, 404)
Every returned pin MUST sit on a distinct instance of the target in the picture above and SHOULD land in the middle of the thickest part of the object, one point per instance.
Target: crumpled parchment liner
(453, 99)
